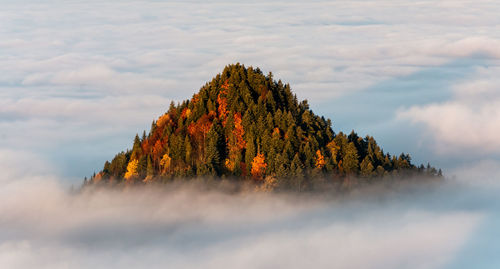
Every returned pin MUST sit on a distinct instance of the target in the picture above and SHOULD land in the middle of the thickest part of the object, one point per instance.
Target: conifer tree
(350, 161)
(297, 173)
(136, 149)
(214, 149)
(366, 167)
(149, 170)
(250, 153)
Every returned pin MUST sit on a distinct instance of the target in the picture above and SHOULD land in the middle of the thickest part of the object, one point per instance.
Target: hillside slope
(245, 125)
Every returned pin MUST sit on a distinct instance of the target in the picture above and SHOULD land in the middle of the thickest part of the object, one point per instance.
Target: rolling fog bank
(187, 226)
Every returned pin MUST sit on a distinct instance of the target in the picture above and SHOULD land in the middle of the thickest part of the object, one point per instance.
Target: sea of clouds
(45, 225)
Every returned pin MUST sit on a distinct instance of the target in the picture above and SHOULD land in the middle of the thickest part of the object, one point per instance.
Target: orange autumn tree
(165, 118)
(320, 160)
(258, 166)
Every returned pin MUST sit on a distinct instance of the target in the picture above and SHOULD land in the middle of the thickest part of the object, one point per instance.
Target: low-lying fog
(43, 225)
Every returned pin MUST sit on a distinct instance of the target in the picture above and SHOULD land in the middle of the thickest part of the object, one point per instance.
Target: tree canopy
(245, 125)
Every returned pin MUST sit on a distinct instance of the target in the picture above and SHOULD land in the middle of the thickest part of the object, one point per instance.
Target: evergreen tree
(149, 170)
(214, 149)
(366, 167)
(250, 154)
(350, 161)
(281, 167)
(297, 173)
(136, 149)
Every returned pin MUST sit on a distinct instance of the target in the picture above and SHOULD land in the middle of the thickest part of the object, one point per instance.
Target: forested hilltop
(244, 125)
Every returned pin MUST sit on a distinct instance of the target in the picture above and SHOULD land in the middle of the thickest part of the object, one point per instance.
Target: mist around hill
(408, 225)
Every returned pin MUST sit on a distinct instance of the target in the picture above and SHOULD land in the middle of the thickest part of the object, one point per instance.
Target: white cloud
(469, 121)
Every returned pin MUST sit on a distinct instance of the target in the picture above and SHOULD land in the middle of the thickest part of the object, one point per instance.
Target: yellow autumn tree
(258, 166)
(132, 169)
(320, 160)
(165, 163)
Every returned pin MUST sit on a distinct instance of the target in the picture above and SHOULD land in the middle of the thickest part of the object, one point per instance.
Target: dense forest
(244, 125)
